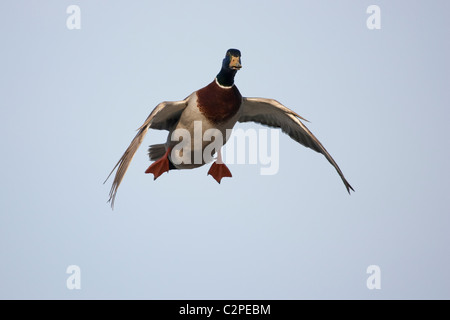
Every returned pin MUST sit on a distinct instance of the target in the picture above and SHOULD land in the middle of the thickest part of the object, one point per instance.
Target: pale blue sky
(377, 99)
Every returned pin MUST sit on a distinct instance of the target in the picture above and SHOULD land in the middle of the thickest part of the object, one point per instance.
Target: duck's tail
(156, 151)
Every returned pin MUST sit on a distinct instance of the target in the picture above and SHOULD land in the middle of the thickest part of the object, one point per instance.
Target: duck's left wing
(271, 113)
(163, 117)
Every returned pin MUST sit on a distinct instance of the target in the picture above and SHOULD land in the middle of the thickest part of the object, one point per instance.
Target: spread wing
(272, 113)
(163, 117)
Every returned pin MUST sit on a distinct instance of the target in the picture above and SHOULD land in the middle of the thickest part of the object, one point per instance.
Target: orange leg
(159, 166)
(218, 169)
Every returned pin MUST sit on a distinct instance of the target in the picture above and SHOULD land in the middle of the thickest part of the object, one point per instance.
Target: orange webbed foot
(159, 166)
(219, 171)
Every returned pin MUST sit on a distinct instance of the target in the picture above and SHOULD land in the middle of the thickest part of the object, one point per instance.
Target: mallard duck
(218, 106)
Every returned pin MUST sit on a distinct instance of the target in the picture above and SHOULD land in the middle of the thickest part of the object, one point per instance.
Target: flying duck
(218, 106)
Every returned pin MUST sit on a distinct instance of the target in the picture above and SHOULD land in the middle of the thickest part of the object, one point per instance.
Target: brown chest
(218, 104)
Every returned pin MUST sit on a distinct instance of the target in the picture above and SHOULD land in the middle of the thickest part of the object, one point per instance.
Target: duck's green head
(230, 65)
(232, 60)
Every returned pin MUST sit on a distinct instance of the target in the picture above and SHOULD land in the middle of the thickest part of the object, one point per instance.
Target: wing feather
(271, 113)
(163, 117)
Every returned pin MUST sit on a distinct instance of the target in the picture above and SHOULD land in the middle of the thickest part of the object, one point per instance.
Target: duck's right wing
(163, 117)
